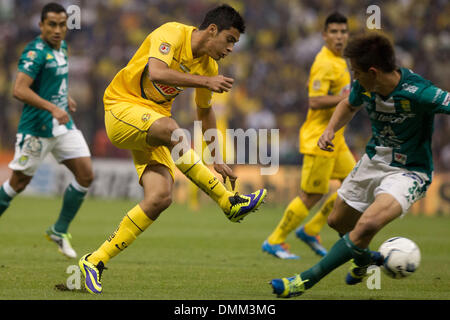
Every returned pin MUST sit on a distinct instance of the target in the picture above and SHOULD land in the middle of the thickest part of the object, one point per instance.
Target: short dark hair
(51, 7)
(224, 17)
(371, 50)
(335, 17)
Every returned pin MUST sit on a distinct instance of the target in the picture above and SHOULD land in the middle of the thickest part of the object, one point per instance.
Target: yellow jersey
(170, 43)
(329, 75)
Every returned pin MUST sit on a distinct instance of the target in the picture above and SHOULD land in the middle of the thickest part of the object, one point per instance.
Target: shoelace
(100, 267)
(237, 199)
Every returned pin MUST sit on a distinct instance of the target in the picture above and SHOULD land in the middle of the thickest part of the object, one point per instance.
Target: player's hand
(325, 141)
(60, 115)
(226, 172)
(72, 105)
(220, 83)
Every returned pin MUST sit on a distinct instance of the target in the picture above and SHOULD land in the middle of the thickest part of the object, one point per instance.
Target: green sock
(72, 201)
(4, 200)
(342, 251)
(7, 193)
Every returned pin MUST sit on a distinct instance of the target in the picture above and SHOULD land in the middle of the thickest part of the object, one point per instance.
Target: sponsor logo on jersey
(398, 118)
(49, 56)
(410, 88)
(62, 70)
(27, 65)
(399, 157)
(167, 90)
(164, 48)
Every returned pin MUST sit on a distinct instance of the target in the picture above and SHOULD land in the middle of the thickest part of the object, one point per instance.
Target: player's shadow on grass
(63, 287)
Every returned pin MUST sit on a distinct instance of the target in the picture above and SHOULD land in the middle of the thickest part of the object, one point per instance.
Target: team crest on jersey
(23, 160)
(164, 48)
(146, 117)
(406, 105)
(31, 54)
(316, 84)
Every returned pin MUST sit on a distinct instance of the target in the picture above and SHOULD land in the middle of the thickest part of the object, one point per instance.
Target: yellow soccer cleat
(288, 287)
(242, 205)
(92, 274)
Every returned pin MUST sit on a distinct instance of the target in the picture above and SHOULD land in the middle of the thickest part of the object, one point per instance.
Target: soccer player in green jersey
(46, 125)
(397, 167)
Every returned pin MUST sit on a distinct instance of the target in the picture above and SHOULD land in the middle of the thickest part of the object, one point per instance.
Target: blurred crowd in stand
(270, 64)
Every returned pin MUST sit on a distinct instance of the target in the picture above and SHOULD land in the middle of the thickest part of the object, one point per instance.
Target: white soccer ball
(401, 257)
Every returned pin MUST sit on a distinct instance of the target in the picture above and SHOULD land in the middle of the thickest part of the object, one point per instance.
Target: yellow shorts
(127, 125)
(317, 171)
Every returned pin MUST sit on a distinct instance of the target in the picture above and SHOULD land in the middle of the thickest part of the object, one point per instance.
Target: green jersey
(402, 123)
(49, 69)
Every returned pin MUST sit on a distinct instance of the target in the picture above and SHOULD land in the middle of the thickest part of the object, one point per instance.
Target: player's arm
(435, 99)
(72, 104)
(23, 92)
(208, 119)
(341, 116)
(325, 102)
(160, 72)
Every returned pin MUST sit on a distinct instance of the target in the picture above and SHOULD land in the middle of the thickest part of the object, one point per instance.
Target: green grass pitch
(188, 255)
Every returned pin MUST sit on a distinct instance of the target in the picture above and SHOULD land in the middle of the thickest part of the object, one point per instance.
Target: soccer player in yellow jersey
(138, 118)
(329, 83)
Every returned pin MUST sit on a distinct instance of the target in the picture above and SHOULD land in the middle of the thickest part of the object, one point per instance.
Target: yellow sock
(132, 225)
(192, 167)
(294, 214)
(313, 226)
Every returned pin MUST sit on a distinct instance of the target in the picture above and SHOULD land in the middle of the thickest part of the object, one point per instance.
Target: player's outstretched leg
(357, 273)
(235, 206)
(342, 251)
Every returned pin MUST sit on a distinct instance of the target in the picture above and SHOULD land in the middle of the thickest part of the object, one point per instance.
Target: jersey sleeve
(436, 99)
(164, 41)
(319, 79)
(355, 97)
(31, 61)
(203, 96)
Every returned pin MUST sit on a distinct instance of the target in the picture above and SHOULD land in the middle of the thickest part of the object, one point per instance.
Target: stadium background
(270, 66)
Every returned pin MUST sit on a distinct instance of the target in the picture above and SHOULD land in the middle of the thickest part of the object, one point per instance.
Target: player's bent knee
(156, 203)
(86, 179)
(367, 228)
(333, 222)
(163, 131)
(19, 182)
